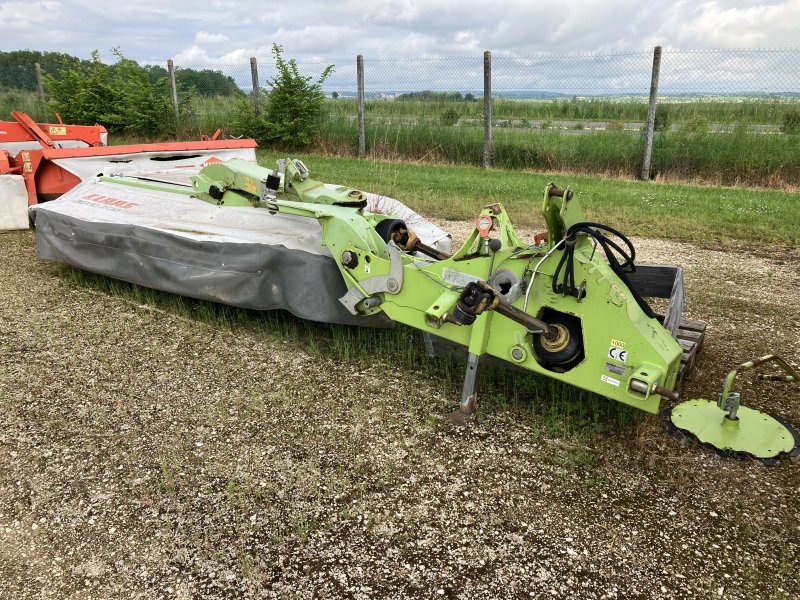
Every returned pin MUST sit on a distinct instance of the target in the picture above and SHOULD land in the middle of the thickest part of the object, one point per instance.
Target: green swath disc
(754, 432)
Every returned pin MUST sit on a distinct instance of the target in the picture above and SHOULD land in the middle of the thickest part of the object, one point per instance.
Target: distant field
(730, 110)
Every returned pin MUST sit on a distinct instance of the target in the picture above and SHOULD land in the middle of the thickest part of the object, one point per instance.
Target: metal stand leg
(427, 339)
(469, 395)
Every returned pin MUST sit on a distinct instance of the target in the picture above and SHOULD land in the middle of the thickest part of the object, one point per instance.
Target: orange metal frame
(25, 129)
(46, 180)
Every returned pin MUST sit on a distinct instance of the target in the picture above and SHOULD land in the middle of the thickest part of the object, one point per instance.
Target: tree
(293, 105)
(17, 70)
(85, 94)
(207, 82)
(334, 95)
(121, 98)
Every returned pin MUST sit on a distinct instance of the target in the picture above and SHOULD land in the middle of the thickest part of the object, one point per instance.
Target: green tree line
(135, 99)
(17, 72)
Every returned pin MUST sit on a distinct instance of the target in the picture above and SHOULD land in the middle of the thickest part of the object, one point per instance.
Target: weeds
(791, 121)
(556, 410)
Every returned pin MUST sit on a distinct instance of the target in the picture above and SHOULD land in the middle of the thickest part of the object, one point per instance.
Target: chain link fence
(723, 116)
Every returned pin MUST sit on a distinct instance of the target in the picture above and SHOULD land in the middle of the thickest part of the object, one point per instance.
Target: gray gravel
(144, 454)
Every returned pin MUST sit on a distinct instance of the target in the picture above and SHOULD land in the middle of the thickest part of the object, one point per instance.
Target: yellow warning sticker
(54, 130)
(617, 344)
(251, 185)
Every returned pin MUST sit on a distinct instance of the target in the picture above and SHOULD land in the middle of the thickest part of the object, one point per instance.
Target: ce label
(617, 354)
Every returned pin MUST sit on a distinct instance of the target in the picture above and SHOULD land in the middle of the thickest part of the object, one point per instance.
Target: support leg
(469, 394)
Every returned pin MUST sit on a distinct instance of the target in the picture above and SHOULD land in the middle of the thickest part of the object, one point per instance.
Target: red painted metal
(6, 164)
(25, 129)
(165, 147)
(46, 180)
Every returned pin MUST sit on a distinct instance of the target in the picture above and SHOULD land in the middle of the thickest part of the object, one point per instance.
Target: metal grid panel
(730, 74)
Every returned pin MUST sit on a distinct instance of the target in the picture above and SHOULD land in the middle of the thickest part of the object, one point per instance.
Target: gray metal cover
(239, 256)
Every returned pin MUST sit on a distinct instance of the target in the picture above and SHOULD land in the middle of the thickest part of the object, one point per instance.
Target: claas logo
(109, 201)
(212, 161)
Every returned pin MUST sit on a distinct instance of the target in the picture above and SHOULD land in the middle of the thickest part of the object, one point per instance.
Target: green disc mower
(569, 305)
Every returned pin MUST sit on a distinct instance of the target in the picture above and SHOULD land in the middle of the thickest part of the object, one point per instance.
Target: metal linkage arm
(729, 401)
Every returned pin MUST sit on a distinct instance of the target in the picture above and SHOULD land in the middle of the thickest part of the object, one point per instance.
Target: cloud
(205, 38)
(229, 32)
(718, 25)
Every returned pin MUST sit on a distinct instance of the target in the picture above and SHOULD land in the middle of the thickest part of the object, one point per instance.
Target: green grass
(700, 214)
(527, 135)
(737, 111)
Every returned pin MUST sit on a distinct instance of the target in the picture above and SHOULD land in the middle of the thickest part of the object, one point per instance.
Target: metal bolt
(349, 259)
(392, 285)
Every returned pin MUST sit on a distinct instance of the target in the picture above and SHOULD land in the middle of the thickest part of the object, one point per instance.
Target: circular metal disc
(755, 433)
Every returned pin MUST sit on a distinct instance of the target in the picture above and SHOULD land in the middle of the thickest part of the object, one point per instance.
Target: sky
(228, 32)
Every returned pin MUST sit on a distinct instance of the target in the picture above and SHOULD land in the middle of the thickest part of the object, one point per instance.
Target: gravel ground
(144, 454)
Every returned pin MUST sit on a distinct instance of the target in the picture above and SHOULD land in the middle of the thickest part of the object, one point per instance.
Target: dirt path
(144, 454)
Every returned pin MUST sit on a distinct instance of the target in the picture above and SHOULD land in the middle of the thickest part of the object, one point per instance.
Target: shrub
(662, 120)
(293, 106)
(122, 98)
(695, 124)
(791, 121)
(450, 117)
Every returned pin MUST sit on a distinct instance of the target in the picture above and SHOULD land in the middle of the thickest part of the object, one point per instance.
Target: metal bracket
(391, 283)
(730, 404)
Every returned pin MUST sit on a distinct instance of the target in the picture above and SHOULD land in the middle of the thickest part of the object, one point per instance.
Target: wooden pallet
(690, 336)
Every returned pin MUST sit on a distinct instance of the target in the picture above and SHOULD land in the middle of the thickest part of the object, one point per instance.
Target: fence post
(362, 139)
(173, 88)
(39, 84)
(40, 87)
(487, 109)
(651, 115)
(256, 89)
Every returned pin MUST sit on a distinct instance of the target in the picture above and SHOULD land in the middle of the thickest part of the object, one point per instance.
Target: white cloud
(718, 25)
(229, 32)
(205, 38)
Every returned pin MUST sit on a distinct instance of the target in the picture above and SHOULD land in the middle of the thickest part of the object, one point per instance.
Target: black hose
(610, 247)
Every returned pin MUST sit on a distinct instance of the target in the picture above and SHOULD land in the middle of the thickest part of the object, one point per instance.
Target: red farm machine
(42, 161)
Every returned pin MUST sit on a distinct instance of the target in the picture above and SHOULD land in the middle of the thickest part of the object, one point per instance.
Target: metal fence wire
(719, 75)
(536, 91)
(434, 107)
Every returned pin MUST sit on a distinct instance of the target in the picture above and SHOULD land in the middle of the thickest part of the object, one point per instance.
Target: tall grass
(21, 100)
(725, 111)
(748, 150)
(740, 157)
